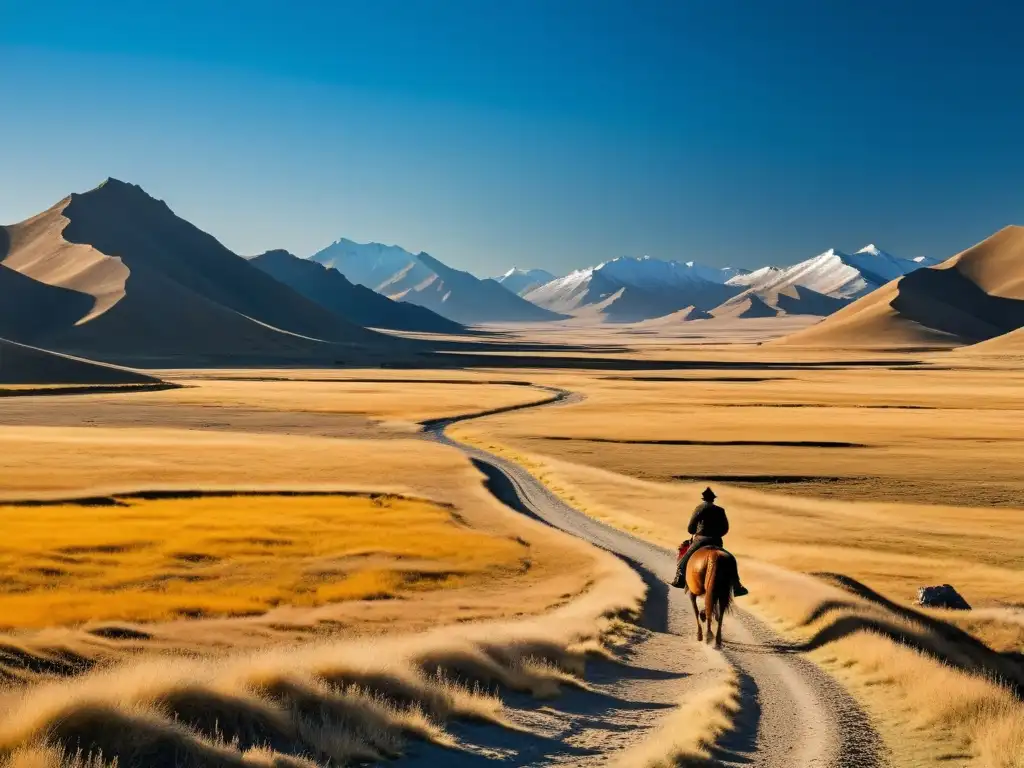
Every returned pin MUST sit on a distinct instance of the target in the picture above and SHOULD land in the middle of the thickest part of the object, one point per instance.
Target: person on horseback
(708, 525)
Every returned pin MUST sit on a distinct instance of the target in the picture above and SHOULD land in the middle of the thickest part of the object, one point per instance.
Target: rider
(708, 525)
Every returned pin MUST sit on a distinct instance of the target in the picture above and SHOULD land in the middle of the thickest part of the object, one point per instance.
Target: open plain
(235, 512)
(511, 385)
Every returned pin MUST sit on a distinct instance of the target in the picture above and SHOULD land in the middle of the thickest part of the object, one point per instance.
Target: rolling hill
(973, 296)
(116, 275)
(1009, 344)
(356, 303)
(425, 281)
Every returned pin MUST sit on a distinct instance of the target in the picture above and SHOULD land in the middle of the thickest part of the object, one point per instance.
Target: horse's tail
(718, 581)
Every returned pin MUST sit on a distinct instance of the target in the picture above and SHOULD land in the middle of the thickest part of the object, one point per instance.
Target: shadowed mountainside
(356, 303)
(20, 364)
(466, 299)
(973, 296)
(123, 278)
(785, 300)
(423, 280)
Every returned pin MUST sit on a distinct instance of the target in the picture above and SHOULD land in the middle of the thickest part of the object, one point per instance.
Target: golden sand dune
(38, 250)
(976, 295)
(1010, 344)
(113, 273)
(20, 364)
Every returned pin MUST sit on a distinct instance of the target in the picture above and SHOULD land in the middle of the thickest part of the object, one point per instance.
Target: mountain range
(630, 289)
(522, 281)
(637, 289)
(421, 279)
(332, 290)
(113, 274)
(975, 296)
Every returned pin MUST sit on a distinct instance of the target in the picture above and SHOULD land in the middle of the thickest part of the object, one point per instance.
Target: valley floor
(265, 511)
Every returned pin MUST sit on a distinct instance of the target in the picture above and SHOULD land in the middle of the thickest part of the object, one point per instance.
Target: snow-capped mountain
(522, 281)
(627, 289)
(421, 279)
(834, 273)
(371, 264)
(357, 303)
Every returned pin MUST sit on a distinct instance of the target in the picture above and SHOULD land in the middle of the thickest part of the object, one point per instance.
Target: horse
(711, 572)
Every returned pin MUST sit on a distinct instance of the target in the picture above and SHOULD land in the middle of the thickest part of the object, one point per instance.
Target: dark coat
(709, 520)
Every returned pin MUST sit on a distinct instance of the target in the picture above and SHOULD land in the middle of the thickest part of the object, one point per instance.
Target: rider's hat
(708, 494)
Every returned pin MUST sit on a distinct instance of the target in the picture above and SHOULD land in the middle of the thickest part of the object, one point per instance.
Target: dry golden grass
(933, 496)
(62, 463)
(915, 515)
(327, 703)
(688, 733)
(152, 560)
(400, 401)
(930, 436)
(937, 696)
(60, 448)
(365, 407)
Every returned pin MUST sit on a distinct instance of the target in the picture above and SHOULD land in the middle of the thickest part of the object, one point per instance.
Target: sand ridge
(976, 295)
(126, 280)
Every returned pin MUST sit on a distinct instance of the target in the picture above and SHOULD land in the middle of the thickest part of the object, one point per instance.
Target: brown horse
(711, 572)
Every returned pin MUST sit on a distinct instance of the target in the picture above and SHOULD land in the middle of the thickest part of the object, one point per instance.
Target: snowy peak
(647, 271)
(873, 250)
(428, 282)
(833, 273)
(522, 281)
(630, 288)
(363, 263)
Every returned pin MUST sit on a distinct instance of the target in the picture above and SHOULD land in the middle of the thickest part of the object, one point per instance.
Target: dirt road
(792, 714)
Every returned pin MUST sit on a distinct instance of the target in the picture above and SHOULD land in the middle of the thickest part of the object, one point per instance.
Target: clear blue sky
(553, 133)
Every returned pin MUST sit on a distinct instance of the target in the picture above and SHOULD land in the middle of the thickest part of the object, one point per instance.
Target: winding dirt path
(792, 715)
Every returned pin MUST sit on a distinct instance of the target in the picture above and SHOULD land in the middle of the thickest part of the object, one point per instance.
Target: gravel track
(792, 714)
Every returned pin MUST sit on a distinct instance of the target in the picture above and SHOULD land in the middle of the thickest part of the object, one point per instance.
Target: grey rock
(942, 596)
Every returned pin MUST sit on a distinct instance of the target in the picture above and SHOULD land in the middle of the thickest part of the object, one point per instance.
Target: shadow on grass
(924, 633)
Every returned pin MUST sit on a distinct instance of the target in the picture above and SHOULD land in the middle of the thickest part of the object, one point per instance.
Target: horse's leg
(721, 619)
(712, 586)
(709, 611)
(696, 613)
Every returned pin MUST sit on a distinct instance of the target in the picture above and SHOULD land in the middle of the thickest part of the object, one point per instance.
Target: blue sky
(553, 133)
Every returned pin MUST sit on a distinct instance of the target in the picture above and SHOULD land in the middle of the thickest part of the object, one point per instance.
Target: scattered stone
(942, 596)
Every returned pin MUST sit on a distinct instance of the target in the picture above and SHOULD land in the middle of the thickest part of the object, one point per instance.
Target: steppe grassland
(153, 560)
(936, 696)
(272, 694)
(904, 477)
(405, 400)
(156, 447)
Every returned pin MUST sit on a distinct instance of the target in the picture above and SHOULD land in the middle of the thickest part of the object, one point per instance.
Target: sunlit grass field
(149, 560)
(893, 479)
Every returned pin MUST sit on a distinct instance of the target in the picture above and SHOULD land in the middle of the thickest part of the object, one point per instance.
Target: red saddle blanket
(682, 550)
